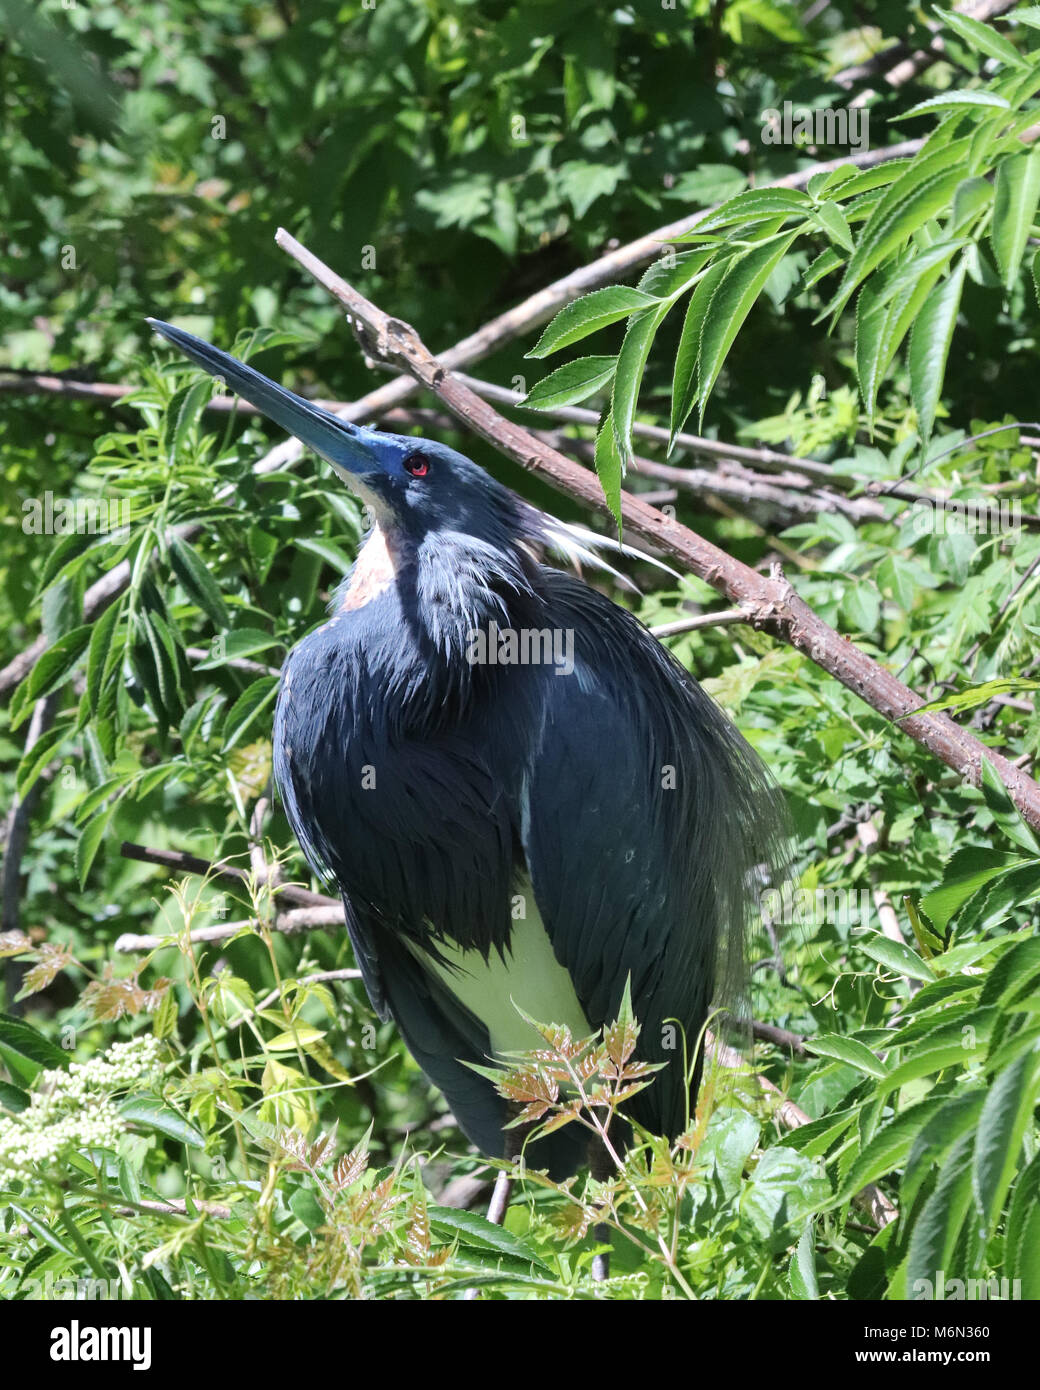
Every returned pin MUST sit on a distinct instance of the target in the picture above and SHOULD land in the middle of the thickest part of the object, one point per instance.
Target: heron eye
(418, 465)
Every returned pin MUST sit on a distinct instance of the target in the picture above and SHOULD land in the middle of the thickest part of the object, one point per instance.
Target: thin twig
(720, 619)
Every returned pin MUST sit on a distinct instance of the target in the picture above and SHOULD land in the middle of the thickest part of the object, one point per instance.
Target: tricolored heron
(505, 832)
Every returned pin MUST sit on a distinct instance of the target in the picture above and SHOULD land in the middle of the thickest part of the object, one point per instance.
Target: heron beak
(344, 445)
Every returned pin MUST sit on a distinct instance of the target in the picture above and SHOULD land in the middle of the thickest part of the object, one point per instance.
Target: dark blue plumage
(466, 806)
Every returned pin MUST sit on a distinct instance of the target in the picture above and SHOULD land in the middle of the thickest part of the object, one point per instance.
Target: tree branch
(487, 339)
(774, 604)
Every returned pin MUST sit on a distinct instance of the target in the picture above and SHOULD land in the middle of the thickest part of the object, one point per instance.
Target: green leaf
(894, 955)
(100, 656)
(930, 347)
(1007, 1111)
(974, 695)
(13, 1098)
(1014, 211)
(584, 316)
(802, 1271)
(671, 275)
(181, 414)
(921, 192)
(950, 101)
(247, 708)
(57, 663)
(1022, 1234)
(575, 381)
(26, 1051)
(934, 1233)
(38, 756)
(730, 306)
(848, 1050)
(306, 1208)
(198, 583)
(684, 382)
(832, 220)
(1004, 811)
(861, 607)
(751, 206)
(89, 842)
(610, 467)
(631, 364)
(982, 39)
(331, 554)
(43, 1232)
(151, 1112)
(476, 1232)
(969, 870)
(926, 1062)
(888, 1149)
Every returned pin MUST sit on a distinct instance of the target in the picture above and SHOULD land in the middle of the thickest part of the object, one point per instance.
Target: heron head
(417, 487)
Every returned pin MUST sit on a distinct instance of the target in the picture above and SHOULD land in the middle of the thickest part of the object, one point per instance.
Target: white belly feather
(530, 976)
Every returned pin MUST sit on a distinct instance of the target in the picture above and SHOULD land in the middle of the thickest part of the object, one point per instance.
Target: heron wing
(639, 822)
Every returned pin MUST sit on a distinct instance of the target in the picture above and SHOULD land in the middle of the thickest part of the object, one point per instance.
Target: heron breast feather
(374, 571)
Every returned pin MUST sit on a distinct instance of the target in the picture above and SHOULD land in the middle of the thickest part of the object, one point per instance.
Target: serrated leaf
(628, 377)
(921, 192)
(610, 467)
(197, 582)
(1007, 1110)
(751, 206)
(974, 695)
(244, 713)
(934, 1233)
(181, 414)
(1022, 1234)
(970, 870)
(930, 347)
(26, 1051)
(476, 1232)
(952, 100)
(888, 1149)
(584, 316)
(730, 305)
(1004, 811)
(1016, 197)
(57, 663)
(575, 381)
(848, 1050)
(802, 1270)
(330, 553)
(684, 381)
(89, 842)
(981, 38)
(150, 1112)
(897, 956)
(831, 218)
(100, 656)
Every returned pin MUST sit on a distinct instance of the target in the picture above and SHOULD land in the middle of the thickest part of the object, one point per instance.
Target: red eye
(418, 465)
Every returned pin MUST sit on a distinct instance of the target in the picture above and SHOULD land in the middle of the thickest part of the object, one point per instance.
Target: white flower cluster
(74, 1109)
